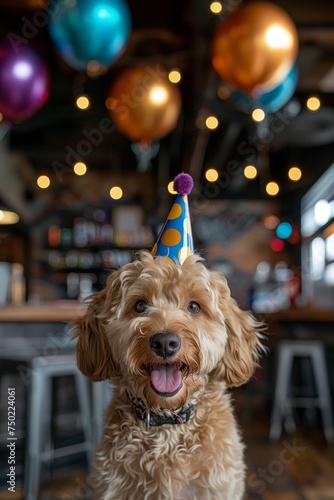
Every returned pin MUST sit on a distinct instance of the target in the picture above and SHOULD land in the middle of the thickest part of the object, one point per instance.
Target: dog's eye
(141, 306)
(194, 308)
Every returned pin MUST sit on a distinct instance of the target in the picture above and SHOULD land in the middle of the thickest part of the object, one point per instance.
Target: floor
(299, 467)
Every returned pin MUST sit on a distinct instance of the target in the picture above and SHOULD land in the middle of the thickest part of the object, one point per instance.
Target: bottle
(18, 285)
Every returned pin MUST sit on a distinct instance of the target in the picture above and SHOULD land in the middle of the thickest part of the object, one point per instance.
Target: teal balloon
(85, 31)
(271, 101)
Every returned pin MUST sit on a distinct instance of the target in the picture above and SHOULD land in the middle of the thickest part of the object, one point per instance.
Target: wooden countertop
(58, 311)
(68, 310)
(301, 315)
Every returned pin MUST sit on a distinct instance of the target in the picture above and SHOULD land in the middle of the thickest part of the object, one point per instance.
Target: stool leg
(36, 398)
(47, 431)
(321, 379)
(282, 406)
(102, 392)
(83, 391)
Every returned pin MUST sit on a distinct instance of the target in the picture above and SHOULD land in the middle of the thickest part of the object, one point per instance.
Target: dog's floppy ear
(243, 346)
(94, 356)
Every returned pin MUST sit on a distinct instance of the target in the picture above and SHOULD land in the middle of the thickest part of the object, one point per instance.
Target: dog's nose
(165, 344)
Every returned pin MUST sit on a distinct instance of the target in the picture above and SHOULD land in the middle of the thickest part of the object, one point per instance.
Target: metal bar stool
(101, 396)
(43, 369)
(38, 372)
(284, 402)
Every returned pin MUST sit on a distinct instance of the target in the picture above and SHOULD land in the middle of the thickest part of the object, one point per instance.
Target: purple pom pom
(183, 184)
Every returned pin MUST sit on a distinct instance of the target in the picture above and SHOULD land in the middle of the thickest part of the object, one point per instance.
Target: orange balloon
(255, 47)
(143, 104)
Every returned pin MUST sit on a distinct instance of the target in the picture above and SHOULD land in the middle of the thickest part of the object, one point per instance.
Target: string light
(295, 174)
(258, 115)
(83, 102)
(170, 187)
(43, 181)
(211, 122)
(211, 175)
(272, 188)
(313, 103)
(174, 76)
(250, 172)
(7, 217)
(216, 7)
(116, 193)
(80, 168)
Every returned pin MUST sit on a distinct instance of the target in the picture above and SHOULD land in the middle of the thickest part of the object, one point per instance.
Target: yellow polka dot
(171, 237)
(187, 225)
(184, 253)
(154, 249)
(175, 212)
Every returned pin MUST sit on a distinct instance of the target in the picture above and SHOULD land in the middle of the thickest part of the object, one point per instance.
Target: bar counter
(67, 310)
(305, 315)
(58, 311)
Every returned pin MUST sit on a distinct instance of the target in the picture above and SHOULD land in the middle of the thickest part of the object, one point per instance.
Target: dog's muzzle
(165, 377)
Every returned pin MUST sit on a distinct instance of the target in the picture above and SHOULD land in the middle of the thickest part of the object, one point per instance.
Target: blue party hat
(175, 240)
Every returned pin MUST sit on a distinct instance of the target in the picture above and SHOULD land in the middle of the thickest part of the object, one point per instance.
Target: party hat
(175, 240)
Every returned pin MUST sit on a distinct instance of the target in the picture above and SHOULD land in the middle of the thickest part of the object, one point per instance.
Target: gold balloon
(143, 104)
(255, 47)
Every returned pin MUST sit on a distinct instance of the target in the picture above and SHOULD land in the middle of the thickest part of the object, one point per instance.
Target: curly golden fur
(218, 346)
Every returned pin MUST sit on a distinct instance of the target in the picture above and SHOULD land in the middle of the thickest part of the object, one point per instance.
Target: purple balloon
(24, 82)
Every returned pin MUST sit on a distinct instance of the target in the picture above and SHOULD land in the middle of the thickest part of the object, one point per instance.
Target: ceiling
(177, 33)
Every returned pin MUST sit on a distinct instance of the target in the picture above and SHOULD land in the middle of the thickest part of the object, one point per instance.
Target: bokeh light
(271, 222)
(313, 103)
(272, 188)
(277, 245)
(83, 102)
(174, 76)
(212, 122)
(295, 174)
(211, 175)
(7, 217)
(223, 92)
(216, 7)
(284, 230)
(258, 115)
(80, 168)
(116, 193)
(294, 238)
(250, 172)
(43, 181)
(171, 188)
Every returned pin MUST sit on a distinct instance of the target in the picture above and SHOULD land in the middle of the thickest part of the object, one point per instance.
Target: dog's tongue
(165, 378)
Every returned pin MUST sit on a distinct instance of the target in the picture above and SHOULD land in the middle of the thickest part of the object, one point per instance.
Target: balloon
(144, 105)
(254, 47)
(90, 34)
(24, 82)
(270, 101)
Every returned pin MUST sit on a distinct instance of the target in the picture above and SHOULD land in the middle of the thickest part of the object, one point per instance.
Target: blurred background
(102, 103)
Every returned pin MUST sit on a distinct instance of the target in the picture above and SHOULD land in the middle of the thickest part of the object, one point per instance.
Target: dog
(173, 341)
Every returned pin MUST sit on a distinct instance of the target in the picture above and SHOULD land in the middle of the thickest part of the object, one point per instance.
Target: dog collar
(156, 419)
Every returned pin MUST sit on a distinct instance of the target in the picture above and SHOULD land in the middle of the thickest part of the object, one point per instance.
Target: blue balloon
(270, 101)
(90, 31)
